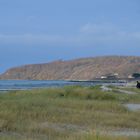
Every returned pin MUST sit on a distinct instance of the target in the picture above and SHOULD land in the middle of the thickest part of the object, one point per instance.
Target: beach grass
(67, 113)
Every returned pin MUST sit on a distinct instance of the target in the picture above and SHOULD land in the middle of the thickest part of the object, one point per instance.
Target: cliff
(78, 69)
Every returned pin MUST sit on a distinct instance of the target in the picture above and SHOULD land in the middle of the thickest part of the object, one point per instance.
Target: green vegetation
(136, 75)
(69, 113)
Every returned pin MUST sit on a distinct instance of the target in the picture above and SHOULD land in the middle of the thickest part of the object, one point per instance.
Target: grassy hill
(78, 69)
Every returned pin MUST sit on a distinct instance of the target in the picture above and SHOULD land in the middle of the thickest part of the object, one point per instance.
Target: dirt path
(106, 88)
(126, 92)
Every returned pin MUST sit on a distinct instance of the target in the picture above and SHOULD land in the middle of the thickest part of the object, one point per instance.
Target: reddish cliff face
(79, 69)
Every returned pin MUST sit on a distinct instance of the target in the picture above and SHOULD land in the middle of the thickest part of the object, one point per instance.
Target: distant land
(78, 69)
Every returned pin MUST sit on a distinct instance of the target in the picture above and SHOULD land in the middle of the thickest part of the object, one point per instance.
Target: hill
(78, 69)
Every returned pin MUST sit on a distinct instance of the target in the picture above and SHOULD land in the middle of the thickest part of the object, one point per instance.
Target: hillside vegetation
(78, 69)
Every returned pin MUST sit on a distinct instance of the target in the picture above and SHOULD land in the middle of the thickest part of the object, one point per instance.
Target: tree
(136, 75)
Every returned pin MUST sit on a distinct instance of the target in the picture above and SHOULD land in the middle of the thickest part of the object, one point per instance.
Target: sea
(31, 84)
(6, 85)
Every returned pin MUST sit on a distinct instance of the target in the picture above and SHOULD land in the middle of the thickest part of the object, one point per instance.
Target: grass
(69, 113)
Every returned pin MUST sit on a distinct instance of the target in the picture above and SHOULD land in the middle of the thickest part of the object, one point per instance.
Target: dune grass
(69, 113)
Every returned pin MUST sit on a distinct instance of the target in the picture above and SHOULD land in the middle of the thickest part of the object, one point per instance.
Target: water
(31, 84)
(133, 107)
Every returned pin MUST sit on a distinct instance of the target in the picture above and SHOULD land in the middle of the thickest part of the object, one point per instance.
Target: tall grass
(65, 113)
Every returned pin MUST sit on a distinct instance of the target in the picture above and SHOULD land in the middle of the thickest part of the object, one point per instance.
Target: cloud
(31, 38)
(97, 28)
(108, 33)
(89, 34)
(40, 39)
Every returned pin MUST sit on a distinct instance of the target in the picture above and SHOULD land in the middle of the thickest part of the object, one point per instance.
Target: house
(110, 76)
(103, 77)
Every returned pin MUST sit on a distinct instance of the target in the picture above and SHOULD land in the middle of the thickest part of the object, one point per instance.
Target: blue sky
(39, 31)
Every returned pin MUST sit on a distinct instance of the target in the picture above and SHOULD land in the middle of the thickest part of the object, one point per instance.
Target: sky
(40, 31)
